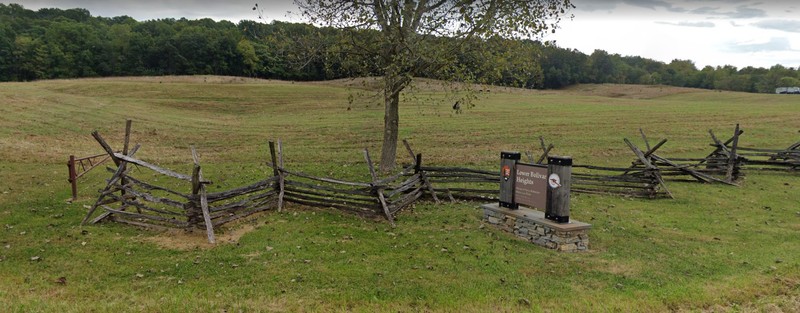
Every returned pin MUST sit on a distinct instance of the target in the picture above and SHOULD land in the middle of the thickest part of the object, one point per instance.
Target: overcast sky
(708, 32)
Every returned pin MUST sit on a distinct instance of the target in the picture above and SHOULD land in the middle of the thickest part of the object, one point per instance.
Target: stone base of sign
(531, 225)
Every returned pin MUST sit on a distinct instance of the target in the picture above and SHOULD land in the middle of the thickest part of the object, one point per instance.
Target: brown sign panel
(530, 187)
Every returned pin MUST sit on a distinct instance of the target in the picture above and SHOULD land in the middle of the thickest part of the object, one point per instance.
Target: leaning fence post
(732, 158)
(199, 193)
(424, 179)
(378, 189)
(545, 150)
(73, 179)
(281, 179)
(106, 147)
(418, 170)
(558, 181)
(125, 152)
(410, 152)
(277, 170)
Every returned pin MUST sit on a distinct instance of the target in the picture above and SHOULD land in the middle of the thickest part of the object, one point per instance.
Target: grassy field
(714, 248)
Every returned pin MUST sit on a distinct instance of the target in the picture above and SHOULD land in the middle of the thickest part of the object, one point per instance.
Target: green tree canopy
(407, 38)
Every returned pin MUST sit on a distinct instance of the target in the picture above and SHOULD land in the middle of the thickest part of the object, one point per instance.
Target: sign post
(508, 168)
(558, 188)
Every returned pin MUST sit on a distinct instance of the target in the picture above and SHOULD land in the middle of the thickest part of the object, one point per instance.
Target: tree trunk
(391, 118)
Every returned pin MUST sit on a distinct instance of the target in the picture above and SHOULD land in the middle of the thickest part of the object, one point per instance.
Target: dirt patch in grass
(618, 268)
(190, 240)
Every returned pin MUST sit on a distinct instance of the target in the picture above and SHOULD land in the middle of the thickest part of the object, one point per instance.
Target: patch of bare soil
(618, 268)
(191, 240)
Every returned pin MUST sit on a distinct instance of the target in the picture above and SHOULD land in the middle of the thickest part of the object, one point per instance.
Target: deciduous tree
(408, 37)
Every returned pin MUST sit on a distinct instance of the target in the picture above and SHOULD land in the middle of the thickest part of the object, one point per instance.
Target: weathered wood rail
(174, 200)
(379, 197)
(727, 163)
(639, 183)
(772, 159)
(169, 199)
(462, 183)
(177, 200)
(642, 180)
(721, 166)
(480, 184)
(766, 159)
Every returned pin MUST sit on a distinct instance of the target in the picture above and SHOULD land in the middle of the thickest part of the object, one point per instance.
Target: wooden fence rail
(178, 200)
(77, 167)
(772, 159)
(174, 200)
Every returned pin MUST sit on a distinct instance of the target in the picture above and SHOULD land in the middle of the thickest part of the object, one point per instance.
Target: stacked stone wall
(539, 231)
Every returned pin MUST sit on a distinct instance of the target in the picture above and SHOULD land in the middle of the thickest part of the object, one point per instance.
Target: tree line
(56, 43)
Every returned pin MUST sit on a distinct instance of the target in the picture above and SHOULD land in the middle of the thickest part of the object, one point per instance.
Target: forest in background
(56, 43)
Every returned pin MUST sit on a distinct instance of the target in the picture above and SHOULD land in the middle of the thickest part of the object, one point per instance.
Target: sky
(759, 33)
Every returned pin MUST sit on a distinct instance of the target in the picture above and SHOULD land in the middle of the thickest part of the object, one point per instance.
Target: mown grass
(712, 248)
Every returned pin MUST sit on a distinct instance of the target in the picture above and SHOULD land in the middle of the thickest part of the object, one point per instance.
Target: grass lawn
(713, 248)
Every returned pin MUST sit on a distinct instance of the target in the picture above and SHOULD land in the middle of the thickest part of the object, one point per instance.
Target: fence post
(73, 179)
(559, 180)
(732, 171)
(281, 177)
(378, 190)
(199, 193)
(277, 170)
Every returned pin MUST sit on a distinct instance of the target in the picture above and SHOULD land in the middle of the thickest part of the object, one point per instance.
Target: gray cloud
(773, 45)
(722, 1)
(741, 12)
(655, 4)
(690, 24)
(732, 9)
(705, 10)
(597, 5)
(746, 12)
(792, 26)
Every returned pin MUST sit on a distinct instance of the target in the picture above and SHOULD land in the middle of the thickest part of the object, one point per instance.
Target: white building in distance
(787, 90)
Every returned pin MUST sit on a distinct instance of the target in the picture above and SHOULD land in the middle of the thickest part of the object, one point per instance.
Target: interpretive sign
(530, 187)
